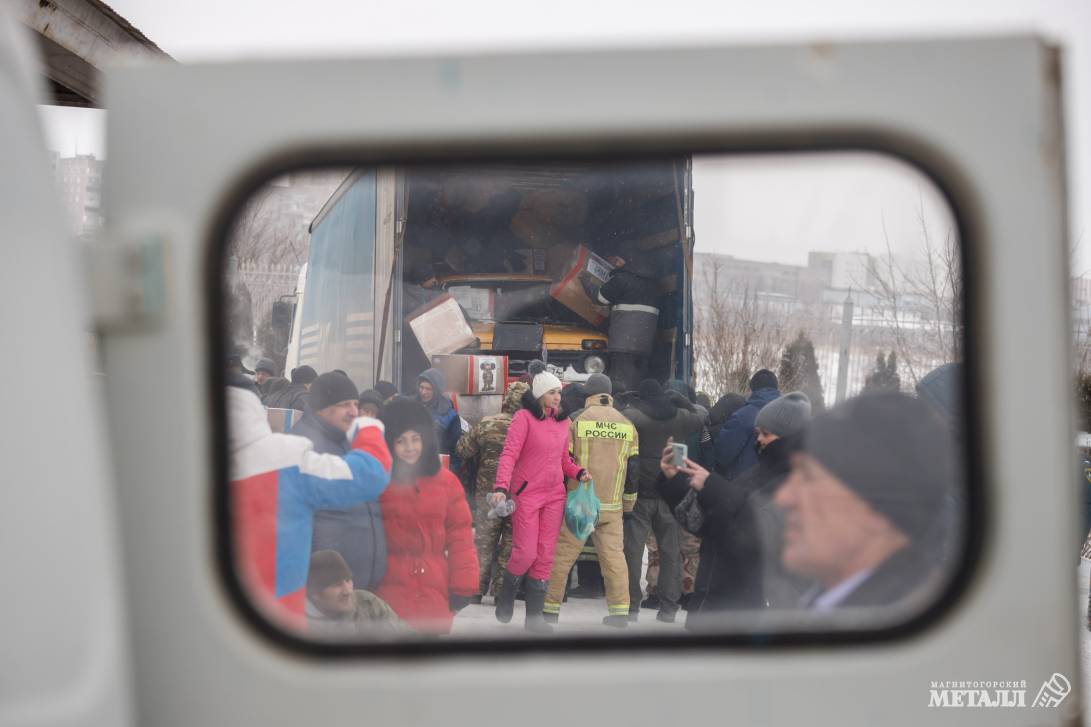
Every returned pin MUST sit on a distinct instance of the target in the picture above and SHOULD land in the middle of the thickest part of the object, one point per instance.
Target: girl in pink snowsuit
(532, 469)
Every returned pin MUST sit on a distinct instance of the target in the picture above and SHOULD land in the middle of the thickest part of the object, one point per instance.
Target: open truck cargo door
(993, 148)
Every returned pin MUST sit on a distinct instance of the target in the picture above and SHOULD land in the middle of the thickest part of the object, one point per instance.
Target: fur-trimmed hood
(403, 414)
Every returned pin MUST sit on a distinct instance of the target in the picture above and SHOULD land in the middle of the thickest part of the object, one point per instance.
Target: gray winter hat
(598, 384)
(785, 416)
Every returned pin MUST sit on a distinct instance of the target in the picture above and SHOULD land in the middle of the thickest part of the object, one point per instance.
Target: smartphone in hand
(680, 452)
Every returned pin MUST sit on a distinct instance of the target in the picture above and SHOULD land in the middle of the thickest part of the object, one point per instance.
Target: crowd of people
(381, 514)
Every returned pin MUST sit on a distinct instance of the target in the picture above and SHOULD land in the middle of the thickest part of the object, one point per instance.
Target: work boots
(505, 599)
(536, 593)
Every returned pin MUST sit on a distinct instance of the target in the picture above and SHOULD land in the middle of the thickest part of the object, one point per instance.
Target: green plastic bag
(581, 510)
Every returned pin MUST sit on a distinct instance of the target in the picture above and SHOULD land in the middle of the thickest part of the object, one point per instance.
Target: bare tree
(269, 243)
(735, 332)
(919, 305)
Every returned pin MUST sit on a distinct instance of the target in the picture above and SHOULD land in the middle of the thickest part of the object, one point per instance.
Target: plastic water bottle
(504, 509)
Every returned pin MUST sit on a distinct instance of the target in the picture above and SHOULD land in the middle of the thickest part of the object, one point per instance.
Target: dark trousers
(652, 514)
(627, 370)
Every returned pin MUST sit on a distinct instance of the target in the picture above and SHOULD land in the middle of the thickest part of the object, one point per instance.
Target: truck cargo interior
(520, 249)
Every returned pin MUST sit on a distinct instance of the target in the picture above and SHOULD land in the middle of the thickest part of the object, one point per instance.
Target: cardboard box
(559, 259)
(473, 375)
(474, 408)
(440, 327)
(282, 420)
(570, 292)
(477, 303)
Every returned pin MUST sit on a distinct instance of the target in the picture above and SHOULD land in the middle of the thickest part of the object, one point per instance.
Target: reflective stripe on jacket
(603, 439)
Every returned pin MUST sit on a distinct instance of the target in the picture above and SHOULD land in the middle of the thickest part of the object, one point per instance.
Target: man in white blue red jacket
(278, 482)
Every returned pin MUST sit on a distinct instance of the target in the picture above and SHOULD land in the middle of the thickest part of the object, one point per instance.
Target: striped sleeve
(330, 482)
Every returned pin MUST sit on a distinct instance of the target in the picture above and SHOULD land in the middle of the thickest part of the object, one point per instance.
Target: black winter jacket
(293, 397)
(628, 288)
(733, 567)
(356, 533)
(656, 419)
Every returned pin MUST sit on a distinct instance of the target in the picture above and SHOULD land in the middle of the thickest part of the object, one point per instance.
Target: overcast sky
(845, 212)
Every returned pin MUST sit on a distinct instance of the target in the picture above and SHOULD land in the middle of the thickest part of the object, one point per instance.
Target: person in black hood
(657, 419)
(572, 398)
(701, 446)
(722, 410)
(632, 292)
(356, 533)
(295, 396)
(732, 517)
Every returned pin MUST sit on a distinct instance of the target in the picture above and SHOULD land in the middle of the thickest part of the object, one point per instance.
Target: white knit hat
(542, 383)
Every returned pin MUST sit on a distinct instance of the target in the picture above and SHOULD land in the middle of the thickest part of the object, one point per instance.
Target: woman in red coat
(431, 568)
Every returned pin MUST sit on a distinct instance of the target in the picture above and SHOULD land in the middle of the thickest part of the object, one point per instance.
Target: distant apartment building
(824, 284)
(79, 181)
(1081, 309)
(825, 279)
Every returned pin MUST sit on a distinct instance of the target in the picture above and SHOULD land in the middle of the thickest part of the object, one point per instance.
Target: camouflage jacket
(485, 441)
(371, 618)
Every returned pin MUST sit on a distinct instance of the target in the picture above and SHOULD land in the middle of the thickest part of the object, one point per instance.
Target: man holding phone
(657, 419)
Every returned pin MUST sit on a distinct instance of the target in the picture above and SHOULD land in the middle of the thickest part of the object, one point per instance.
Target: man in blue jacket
(430, 392)
(356, 533)
(735, 452)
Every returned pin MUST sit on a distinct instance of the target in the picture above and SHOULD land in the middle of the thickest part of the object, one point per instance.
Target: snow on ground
(579, 615)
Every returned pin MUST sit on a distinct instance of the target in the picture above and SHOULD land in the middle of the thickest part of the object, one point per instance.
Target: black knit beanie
(386, 388)
(887, 448)
(371, 396)
(331, 388)
(327, 568)
(763, 379)
(304, 375)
